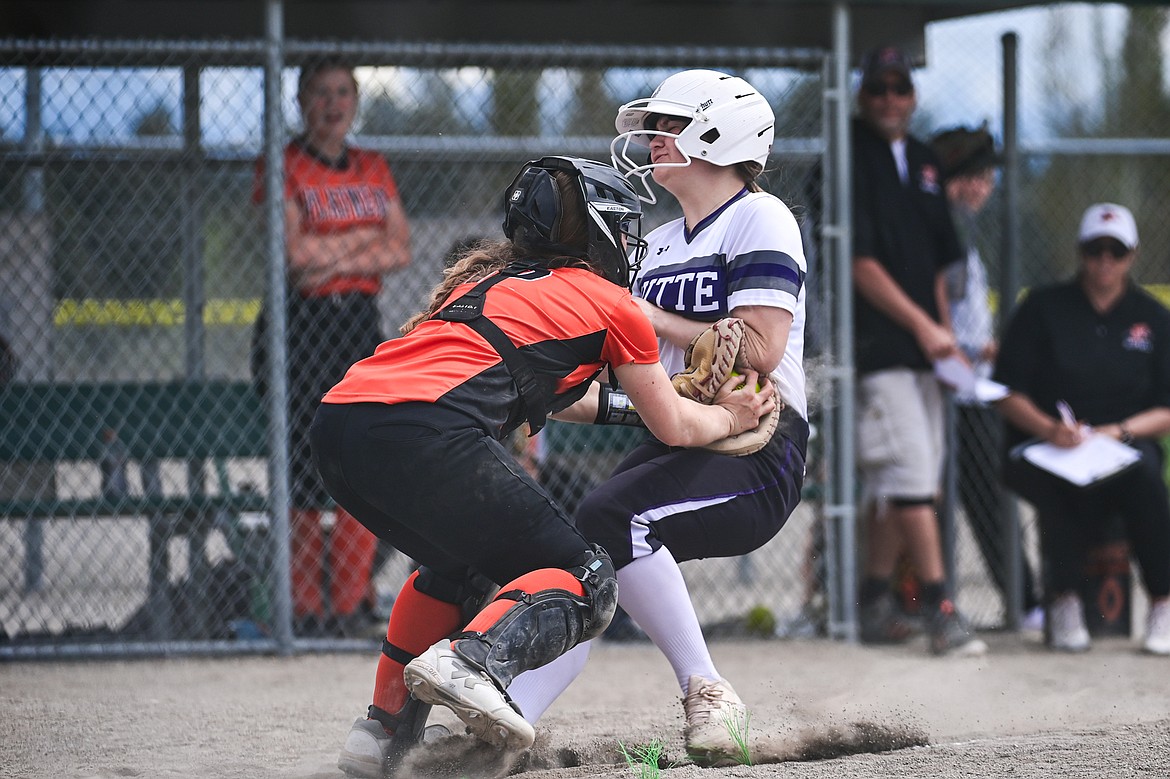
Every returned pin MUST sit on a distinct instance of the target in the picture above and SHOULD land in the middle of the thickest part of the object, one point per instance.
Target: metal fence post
(277, 341)
(1009, 291)
(841, 494)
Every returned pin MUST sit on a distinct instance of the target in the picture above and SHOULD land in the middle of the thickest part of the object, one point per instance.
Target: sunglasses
(1105, 246)
(881, 88)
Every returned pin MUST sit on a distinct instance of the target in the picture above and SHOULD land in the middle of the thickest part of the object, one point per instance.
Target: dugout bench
(200, 423)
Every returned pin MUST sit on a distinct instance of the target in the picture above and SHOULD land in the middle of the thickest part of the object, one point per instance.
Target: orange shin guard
(538, 617)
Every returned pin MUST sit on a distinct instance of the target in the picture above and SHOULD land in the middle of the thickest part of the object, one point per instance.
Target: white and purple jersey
(747, 253)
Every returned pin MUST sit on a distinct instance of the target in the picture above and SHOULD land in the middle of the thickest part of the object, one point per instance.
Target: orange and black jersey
(567, 323)
(333, 197)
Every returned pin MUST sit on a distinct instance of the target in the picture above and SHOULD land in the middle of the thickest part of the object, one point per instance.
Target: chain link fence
(136, 489)
(1089, 123)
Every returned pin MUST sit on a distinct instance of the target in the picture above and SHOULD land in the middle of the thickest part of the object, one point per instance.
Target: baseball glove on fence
(711, 358)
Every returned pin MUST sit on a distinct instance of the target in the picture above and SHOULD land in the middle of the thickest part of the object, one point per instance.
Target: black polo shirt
(1106, 366)
(908, 229)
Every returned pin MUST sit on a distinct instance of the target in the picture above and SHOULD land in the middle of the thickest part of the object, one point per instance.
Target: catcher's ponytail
(487, 257)
(482, 259)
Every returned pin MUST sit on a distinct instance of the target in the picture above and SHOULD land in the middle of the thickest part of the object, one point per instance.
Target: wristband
(1126, 436)
(614, 408)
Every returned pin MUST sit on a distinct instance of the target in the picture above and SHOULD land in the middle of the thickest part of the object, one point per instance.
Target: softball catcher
(409, 443)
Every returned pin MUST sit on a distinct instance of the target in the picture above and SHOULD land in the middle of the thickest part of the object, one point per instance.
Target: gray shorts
(900, 435)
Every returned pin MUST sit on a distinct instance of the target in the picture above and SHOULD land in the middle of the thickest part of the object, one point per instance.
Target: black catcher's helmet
(533, 210)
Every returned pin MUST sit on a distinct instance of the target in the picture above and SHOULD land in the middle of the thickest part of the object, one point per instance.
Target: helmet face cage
(728, 122)
(612, 211)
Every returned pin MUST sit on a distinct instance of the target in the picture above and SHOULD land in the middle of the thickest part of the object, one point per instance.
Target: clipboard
(1097, 459)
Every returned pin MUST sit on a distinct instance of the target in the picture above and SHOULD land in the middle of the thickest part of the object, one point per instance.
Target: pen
(1066, 413)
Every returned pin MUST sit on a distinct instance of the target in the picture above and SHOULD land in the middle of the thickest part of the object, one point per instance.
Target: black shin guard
(543, 626)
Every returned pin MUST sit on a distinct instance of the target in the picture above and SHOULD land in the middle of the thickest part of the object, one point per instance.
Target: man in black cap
(969, 161)
(903, 241)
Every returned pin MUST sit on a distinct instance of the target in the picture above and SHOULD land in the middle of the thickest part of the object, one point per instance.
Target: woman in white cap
(1096, 348)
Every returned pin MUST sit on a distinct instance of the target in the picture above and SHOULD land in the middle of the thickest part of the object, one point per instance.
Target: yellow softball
(759, 386)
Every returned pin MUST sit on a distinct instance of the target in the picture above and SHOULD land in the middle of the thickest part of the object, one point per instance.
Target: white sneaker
(366, 749)
(717, 723)
(440, 677)
(1158, 629)
(1033, 621)
(1067, 631)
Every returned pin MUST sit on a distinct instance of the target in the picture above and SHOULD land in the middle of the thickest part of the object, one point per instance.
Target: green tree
(593, 109)
(155, 121)
(382, 115)
(1142, 108)
(1133, 104)
(435, 113)
(515, 107)
(799, 110)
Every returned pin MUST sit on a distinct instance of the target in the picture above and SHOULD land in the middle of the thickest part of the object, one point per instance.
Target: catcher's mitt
(712, 356)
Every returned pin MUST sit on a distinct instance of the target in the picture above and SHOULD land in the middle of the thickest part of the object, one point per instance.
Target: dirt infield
(1021, 712)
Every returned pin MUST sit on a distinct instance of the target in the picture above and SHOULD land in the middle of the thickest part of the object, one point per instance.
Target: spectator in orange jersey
(345, 228)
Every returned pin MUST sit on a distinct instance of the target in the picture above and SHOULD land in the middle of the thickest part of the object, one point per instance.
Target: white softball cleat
(717, 722)
(442, 678)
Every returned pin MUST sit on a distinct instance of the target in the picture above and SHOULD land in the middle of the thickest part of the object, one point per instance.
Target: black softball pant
(441, 491)
(694, 502)
(1072, 519)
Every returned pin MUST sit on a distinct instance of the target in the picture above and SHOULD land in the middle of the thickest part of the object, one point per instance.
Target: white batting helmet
(729, 122)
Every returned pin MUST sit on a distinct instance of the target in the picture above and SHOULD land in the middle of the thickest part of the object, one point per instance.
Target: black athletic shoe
(882, 623)
(949, 633)
(371, 752)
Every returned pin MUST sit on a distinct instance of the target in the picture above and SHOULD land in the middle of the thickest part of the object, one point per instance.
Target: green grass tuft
(644, 759)
(739, 734)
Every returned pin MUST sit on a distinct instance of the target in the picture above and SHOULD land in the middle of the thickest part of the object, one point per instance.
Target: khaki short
(900, 435)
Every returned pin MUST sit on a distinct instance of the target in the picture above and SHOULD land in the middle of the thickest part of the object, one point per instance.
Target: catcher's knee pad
(540, 616)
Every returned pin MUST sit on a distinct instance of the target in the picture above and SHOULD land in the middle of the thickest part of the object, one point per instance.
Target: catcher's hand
(712, 358)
